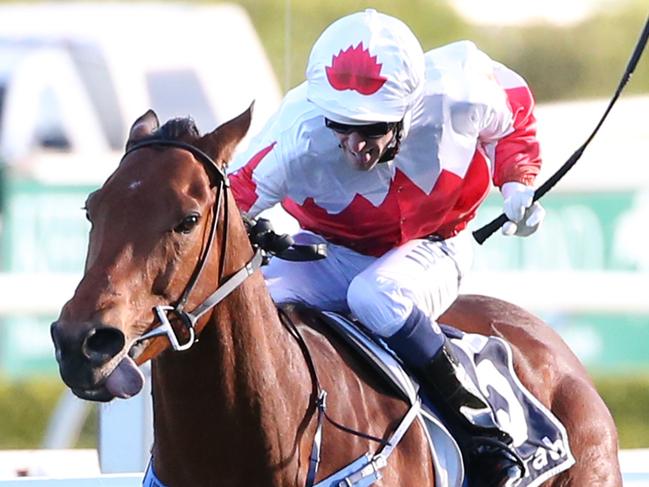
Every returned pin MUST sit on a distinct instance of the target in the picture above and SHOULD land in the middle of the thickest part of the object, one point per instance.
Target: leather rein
(190, 318)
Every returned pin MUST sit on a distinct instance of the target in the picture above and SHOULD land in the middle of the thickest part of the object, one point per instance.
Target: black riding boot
(422, 346)
(490, 460)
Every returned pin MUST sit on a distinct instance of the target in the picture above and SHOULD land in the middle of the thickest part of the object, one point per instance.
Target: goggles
(371, 131)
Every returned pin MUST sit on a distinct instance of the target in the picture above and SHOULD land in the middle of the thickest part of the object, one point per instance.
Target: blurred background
(74, 77)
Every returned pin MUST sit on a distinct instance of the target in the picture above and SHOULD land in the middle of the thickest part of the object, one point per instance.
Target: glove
(525, 216)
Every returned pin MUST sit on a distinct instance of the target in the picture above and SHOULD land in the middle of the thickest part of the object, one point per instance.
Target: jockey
(385, 154)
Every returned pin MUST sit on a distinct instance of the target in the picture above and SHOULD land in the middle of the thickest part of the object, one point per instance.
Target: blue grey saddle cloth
(540, 439)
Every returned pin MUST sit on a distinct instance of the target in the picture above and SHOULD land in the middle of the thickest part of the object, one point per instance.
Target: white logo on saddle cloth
(543, 456)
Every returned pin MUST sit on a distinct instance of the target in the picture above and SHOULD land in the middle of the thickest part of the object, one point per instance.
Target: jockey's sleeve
(516, 156)
(260, 183)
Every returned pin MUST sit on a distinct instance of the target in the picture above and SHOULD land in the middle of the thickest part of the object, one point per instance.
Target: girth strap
(314, 458)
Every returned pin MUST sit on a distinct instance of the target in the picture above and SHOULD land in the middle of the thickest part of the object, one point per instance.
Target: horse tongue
(126, 380)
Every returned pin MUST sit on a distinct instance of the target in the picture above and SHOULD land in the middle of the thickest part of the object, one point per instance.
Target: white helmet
(366, 67)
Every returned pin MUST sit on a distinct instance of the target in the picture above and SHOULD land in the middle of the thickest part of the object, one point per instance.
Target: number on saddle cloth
(539, 438)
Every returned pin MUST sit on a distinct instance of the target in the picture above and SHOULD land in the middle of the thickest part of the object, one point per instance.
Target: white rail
(112, 480)
(24, 293)
(635, 468)
(576, 291)
(593, 291)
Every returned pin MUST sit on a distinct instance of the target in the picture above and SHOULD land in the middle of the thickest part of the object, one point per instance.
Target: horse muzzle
(94, 363)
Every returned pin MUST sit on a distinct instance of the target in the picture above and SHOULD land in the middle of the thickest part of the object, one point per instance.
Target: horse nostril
(54, 333)
(102, 344)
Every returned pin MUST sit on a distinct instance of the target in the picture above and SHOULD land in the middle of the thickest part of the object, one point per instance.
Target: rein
(189, 319)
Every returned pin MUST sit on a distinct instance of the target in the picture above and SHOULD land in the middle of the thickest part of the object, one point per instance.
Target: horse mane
(180, 128)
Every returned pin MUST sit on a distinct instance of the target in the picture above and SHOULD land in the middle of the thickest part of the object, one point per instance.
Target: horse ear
(143, 126)
(220, 143)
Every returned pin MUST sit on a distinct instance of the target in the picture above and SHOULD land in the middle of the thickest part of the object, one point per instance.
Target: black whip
(486, 231)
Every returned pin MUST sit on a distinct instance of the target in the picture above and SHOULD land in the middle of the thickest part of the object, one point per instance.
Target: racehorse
(238, 406)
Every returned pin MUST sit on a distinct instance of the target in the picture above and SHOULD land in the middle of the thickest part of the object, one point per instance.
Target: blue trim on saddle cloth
(150, 479)
(359, 465)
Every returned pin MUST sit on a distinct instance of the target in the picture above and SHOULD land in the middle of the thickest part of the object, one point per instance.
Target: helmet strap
(394, 145)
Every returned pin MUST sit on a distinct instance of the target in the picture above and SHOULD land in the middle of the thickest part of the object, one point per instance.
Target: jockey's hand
(525, 215)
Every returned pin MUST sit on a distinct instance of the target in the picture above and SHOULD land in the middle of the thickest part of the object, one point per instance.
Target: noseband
(187, 318)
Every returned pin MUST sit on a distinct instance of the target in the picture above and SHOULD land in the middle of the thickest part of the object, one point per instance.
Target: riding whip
(486, 231)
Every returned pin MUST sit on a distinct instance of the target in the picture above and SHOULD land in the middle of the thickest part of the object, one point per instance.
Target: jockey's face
(362, 151)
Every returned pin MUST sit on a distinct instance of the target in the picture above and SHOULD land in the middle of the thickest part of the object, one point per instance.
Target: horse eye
(188, 223)
(85, 209)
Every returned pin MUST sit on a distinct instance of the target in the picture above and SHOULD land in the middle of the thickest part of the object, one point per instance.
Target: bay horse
(236, 407)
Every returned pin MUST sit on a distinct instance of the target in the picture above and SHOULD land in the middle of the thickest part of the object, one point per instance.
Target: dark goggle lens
(373, 130)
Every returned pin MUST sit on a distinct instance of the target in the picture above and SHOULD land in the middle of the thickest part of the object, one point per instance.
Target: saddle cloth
(539, 438)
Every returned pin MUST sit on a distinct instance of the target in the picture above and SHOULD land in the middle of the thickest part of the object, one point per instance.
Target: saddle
(540, 440)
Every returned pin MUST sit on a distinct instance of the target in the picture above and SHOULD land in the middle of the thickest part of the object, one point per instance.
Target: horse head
(153, 223)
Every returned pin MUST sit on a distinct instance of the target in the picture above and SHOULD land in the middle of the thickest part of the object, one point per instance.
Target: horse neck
(243, 387)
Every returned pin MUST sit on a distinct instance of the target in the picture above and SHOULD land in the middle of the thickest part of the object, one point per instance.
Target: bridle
(190, 318)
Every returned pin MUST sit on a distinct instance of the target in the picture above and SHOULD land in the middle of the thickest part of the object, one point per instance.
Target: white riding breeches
(380, 291)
